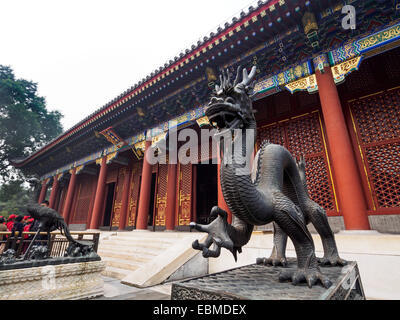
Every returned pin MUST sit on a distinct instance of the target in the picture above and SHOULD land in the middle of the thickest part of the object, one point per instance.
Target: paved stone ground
(115, 290)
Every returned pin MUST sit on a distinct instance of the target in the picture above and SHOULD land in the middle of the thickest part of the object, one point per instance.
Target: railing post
(52, 237)
(96, 238)
(20, 245)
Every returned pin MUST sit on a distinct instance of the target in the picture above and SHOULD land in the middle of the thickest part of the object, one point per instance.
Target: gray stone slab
(258, 282)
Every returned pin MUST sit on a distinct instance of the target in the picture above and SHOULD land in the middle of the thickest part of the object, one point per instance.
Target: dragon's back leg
(278, 256)
(290, 219)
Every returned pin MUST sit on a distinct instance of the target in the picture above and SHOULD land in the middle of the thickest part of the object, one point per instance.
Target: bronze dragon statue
(274, 191)
(49, 220)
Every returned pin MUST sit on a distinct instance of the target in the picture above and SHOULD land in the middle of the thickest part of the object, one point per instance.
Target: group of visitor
(18, 223)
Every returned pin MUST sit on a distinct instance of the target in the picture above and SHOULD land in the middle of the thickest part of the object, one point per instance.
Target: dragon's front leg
(221, 234)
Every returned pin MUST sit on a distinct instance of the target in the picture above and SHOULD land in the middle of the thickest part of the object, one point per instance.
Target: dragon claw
(310, 276)
(332, 261)
(272, 261)
(217, 235)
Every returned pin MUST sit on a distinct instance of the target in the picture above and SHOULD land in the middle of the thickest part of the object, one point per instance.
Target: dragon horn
(247, 79)
(237, 76)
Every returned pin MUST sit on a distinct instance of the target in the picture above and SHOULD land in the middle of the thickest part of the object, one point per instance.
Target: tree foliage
(13, 198)
(25, 123)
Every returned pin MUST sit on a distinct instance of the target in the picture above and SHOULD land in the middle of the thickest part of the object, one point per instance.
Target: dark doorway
(206, 191)
(152, 200)
(109, 204)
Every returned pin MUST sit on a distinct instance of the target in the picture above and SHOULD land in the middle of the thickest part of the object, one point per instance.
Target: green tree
(13, 197)
(25, 123)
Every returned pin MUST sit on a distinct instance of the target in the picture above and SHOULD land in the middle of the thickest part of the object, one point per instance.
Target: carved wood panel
(161, 199)
(134, 190)
(119, 189)
(185, 194)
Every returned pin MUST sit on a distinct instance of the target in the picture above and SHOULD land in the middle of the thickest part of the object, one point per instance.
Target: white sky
(84, 53)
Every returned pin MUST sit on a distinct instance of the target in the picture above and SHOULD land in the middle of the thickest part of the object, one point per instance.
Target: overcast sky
(84, 53)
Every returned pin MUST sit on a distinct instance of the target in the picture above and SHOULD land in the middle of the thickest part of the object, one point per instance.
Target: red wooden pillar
(352, 201)
(171, 197)
(125, 199)
(99, 197)
(221, 201)
(70, 195)
(43, 191)
(145, 188)
(54, 191)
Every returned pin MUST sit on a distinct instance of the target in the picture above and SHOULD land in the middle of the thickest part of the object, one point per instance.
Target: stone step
(166, 263)
(138, 243)
(121, 264)
(144, 240)
(115, 273)
(137, 256)
(157, 235)
(132, 248)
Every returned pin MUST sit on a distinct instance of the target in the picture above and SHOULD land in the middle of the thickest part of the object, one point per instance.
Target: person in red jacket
(10, 222)
(27, 227)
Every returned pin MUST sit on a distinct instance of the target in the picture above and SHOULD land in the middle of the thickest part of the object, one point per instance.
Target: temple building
(327, 87)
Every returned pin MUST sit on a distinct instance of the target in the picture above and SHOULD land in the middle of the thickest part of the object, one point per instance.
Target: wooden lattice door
(161, 198)
(119, 190)
(84, 198)
(303, 135)
(134, 193)
(376, 124)
(185, 194)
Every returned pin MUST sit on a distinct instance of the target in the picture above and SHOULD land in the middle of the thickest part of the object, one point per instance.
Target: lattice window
(274, 133)
(302, 136)
(378, 117)
(384, 163)
(377, 124)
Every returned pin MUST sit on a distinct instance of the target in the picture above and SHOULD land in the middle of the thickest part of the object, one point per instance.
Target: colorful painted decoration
(309, 83)
(113, 137)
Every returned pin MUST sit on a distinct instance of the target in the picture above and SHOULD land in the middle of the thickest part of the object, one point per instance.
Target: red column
(70, 194)
(145, 188)
(99, 197)
(53, 194)
(43, 191)
(171, 197)
(349, 189)
(125, 199)
(221, 201)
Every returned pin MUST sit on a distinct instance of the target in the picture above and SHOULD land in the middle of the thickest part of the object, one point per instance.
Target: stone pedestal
(71, 281)
(258, 282)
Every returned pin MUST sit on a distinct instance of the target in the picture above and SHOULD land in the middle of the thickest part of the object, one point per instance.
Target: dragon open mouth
(224, 116)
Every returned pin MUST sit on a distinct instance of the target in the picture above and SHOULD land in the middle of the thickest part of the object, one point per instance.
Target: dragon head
(230, 106)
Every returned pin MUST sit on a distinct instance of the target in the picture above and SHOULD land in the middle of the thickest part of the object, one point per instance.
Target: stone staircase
(143, 258)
